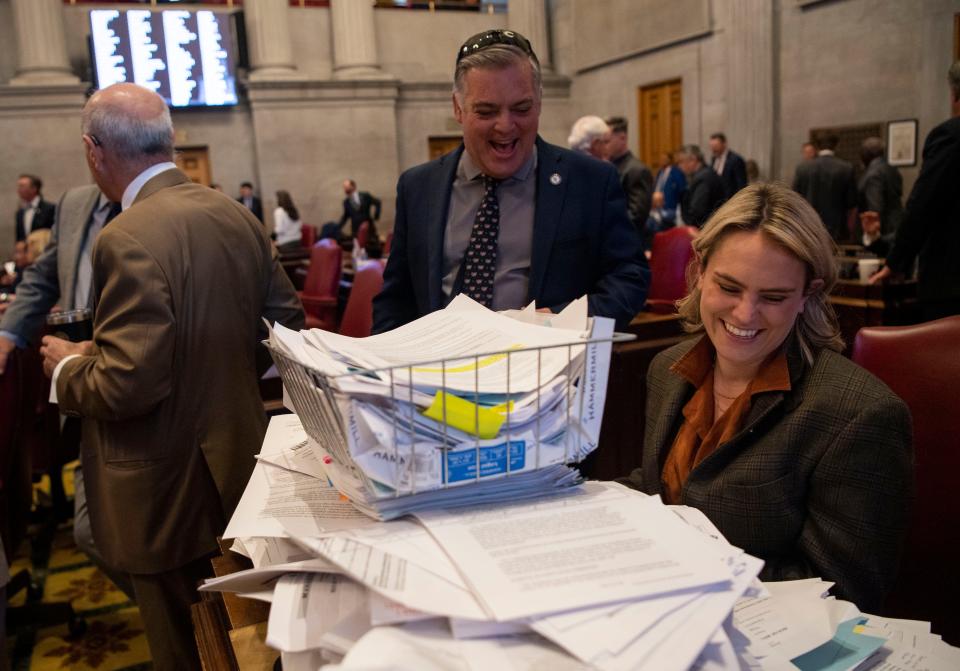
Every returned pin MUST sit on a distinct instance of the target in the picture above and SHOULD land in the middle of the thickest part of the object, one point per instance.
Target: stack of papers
(596, 576)
(457, 400)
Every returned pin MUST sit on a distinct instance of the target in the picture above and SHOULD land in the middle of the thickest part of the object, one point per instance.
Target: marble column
(41, 44)
(750, 85)
(268, 38)
(529, 18)
(354, 40)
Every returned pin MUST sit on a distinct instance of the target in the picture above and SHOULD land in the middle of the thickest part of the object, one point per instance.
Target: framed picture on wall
(902, 142)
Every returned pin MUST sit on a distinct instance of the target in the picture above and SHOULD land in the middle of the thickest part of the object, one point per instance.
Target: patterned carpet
(113, 639)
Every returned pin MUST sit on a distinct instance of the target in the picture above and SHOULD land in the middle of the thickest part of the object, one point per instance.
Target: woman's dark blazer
(817, 482)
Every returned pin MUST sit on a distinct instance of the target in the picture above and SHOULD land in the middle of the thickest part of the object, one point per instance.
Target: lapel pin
(555, 179)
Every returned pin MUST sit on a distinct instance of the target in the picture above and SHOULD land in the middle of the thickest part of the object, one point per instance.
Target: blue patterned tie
(480, 263)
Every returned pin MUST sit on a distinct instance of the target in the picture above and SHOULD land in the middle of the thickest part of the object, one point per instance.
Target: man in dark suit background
(250, 201)
(931, 223)
(728, 164)
(635, 177)
(880, 188)
(507, 218)
(35, 212)
(358, 207)
(828, 184)
(704, 192)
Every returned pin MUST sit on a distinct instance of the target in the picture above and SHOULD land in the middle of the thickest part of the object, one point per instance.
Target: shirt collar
(468, 170)
(697, 363)
(825, 152)
(133, 188)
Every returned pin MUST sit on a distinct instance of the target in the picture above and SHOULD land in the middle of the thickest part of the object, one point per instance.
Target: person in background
(250, 201)
(930, 227)
(728, 164)
(798, 455)
(63, 276)
(34, 213)
(10, 280)
(565, 231)
(668, 189)
(880, 189)
(635, 176)
(286, 223)
(704, 192)
(167, 389)
(808, 151)
(358, 207)
(753, 171)
(828, 184)
(590, 135)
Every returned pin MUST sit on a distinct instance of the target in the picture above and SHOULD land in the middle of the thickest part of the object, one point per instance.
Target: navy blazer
(583, 242)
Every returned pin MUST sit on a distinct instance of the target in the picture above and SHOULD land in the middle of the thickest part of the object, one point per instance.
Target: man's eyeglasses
(488, 38)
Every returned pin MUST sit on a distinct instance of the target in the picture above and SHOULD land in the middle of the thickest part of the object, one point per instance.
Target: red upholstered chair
(308, 235)
(671, 254)
(921, 363)
(319, 295)
(358, 315)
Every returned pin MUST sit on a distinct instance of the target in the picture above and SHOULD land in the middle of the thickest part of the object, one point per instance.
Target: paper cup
(867, 267)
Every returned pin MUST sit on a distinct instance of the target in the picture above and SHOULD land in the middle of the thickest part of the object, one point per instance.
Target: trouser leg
(164, 600)
(83, 536)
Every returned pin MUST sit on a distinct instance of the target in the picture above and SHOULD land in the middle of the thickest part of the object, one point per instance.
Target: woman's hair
(787, 220)
(286, 202)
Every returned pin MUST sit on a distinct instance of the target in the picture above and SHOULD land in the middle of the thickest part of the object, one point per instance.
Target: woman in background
(798, 455)
(286, 223)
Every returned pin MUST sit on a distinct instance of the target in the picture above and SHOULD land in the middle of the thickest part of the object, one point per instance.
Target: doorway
(661, 121)
(443, 145)
(194, 162)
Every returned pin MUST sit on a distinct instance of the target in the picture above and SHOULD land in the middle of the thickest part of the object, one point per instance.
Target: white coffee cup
(9, 267)
(867, 267)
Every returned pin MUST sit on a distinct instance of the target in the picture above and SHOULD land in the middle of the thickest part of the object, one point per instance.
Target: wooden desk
(231, 631)
(859, 304)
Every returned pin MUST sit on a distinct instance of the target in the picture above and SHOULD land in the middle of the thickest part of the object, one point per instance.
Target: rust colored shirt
(701, 433)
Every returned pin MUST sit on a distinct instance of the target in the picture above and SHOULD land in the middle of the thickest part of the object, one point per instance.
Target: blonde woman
(799, 456)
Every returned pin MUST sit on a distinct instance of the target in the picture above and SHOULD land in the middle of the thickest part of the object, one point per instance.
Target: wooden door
(443, 145)
(195, 163)
(661, 120)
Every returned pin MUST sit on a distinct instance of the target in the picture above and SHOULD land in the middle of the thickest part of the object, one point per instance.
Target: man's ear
(457, 109)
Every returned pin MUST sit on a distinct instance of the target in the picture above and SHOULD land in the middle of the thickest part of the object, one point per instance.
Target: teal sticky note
(846, 649)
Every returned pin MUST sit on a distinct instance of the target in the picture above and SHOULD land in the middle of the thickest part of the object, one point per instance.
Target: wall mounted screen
(188, 57)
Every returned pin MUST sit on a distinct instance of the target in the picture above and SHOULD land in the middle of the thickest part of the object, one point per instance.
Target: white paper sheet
(600, 545)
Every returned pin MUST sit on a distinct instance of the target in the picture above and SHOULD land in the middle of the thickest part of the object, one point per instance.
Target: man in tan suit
(167, 390)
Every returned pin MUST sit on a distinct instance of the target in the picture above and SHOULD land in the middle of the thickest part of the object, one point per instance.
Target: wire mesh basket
(407, 429)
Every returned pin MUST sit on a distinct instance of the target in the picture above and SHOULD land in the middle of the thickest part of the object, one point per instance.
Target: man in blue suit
(507, 218)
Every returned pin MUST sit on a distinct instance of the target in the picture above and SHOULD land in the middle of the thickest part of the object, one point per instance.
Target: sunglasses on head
(488, 38)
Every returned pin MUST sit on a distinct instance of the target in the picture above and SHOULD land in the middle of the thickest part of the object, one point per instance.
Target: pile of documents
(463, 398)
(593, 576)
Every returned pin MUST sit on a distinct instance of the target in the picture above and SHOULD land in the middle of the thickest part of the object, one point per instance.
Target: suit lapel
(435, 219)
(71, 236)
(552, 179)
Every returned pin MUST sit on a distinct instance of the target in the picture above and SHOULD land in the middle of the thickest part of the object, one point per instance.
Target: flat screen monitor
(188, 57)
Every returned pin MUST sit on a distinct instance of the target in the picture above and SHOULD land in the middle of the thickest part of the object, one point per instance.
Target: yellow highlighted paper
(466, 416)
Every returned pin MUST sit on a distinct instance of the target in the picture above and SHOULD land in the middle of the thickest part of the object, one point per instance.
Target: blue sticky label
(493, 461)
